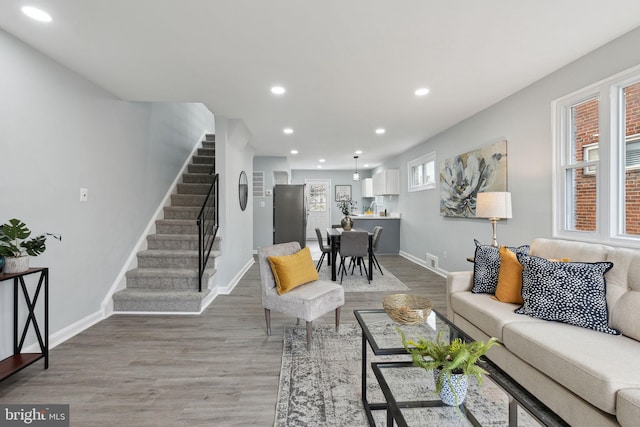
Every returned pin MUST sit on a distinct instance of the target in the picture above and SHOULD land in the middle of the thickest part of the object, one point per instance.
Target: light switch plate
(84, 194)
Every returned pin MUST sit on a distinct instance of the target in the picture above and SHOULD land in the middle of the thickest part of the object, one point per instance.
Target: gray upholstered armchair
(308, 301)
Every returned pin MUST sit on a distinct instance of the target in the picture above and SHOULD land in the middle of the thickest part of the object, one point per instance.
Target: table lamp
(493, 205)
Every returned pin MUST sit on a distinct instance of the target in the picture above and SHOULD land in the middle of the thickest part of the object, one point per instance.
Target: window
(422, 173)
(597, 162)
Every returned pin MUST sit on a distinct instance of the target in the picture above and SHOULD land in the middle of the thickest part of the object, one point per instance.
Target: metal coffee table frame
(518, 396)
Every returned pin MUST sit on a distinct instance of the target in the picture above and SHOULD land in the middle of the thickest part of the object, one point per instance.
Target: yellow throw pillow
(290, 271)
(509, 287)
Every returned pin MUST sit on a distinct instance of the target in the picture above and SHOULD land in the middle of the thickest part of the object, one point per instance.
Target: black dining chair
(354, 244)
(377, 232)
(325, 250)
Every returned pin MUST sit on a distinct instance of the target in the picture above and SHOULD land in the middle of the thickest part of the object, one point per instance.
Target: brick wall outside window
(586, 131)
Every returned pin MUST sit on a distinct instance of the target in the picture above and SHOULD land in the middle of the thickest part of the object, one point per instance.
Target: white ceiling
(349, 66)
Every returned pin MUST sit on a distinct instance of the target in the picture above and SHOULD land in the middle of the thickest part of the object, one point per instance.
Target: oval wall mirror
(243, 190)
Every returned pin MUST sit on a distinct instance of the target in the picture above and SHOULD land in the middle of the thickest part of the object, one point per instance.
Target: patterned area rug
(321, 387)
(358, 283)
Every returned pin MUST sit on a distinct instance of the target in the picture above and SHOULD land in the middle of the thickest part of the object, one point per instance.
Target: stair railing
(208, 223)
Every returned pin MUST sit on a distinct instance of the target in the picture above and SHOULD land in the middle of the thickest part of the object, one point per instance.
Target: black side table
(19, 360)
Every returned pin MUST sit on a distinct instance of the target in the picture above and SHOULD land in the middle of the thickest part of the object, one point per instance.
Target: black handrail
(208, 223)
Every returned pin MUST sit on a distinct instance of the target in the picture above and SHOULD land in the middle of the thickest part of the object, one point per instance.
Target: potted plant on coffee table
(16, 249)
(451, 362)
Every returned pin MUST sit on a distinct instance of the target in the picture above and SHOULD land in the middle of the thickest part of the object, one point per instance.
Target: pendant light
(356, 175)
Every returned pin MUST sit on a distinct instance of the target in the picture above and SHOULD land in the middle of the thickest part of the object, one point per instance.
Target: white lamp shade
(493, 204)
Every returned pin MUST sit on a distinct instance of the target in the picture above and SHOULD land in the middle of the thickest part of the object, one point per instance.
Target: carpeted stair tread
(144, 300)
(187, 200)
(188, 178)
(160, 272)
(194, 188)
(203, 160)
(160, 295)
(182, 212)
(168, 253)
(199, 168)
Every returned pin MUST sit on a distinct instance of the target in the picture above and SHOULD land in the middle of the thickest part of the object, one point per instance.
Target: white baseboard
(423, 263)
(69, 332)
(226, 290)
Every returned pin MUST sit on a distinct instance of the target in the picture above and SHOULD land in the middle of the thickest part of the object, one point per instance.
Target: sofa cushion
(628, 407)
(577, 251)
(623, 291)
(594, 366)
(569, 292)
(486, 267)
(485, 313)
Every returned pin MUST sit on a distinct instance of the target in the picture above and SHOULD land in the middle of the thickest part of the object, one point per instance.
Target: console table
(19, 360)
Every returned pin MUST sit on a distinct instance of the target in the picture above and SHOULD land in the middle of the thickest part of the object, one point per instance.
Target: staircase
(166, 279)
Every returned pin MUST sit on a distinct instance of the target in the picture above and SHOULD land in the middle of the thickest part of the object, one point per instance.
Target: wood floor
(217, 369)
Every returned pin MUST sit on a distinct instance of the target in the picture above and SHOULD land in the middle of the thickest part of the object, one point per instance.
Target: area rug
(321, 387)
(358, 283)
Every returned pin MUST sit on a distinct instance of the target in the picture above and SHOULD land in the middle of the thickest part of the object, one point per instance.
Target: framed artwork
(464, 176)
(343, 192)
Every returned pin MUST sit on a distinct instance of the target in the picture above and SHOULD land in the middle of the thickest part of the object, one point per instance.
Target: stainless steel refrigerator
(289, 214)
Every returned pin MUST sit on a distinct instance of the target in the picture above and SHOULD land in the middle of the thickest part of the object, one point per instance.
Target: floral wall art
(464, 176)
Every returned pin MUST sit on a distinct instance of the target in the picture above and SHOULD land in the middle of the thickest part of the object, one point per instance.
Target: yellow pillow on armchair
(291, 271)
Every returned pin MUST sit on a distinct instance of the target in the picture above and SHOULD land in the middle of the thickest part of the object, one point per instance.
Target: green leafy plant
(345, 206)
(13, 241)
(456, 357)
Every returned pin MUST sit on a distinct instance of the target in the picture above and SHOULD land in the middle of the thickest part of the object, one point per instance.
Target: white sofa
(588, 378)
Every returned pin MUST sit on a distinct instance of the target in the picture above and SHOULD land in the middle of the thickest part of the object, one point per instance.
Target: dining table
(334, 240)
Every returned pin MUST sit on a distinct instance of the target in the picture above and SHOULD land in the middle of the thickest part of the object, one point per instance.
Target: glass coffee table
(408, 391)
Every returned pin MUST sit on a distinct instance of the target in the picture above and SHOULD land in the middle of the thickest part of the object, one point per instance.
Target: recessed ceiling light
(277, 90)
(288, 131)
(294, 151)
(380, 131)
(37, 14)
(322, 160)
(421, 91)
(359, 152)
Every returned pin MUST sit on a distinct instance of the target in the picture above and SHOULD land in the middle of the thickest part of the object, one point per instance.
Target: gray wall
(60, 132)
(263, 215)
(233, 155)
(524, 119)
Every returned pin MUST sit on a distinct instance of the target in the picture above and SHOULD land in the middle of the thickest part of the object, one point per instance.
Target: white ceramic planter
(16, 264)
(454, 391)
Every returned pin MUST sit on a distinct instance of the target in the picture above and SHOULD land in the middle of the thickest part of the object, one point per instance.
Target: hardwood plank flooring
(217, 369)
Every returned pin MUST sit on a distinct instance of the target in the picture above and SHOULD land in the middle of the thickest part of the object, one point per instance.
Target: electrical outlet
(432, 261)
(84, 194)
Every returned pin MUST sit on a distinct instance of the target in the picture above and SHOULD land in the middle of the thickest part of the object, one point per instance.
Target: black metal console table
(19, 360)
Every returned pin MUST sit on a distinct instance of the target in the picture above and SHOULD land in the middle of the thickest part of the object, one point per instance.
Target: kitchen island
(390, 239)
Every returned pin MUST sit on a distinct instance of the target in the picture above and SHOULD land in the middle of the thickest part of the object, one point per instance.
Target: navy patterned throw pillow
(486, 267)
(569, 292)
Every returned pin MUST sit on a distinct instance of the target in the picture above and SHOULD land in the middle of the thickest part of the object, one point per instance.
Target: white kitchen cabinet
(386, 182)
(367, 187)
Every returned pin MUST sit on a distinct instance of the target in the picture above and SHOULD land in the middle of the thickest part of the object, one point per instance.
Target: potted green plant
(345, 206)
(16, 249)
(451, 362)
